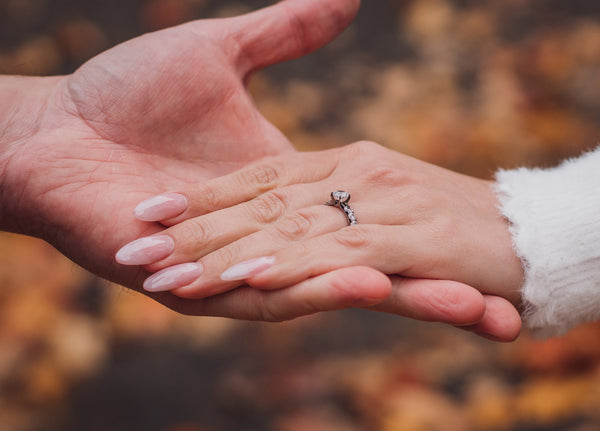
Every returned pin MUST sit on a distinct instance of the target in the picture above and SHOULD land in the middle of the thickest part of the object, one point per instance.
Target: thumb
(288, 30)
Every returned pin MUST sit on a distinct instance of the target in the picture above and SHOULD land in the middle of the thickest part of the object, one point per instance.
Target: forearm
(555, 218)
(24, 102)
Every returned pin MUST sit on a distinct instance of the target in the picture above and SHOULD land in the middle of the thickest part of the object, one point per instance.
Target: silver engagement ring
(340, 199)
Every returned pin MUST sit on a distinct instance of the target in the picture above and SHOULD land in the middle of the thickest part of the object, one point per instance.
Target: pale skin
(421, 224)
(170, 111)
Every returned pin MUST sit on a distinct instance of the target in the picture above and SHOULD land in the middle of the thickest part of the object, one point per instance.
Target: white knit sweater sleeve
(555, 223)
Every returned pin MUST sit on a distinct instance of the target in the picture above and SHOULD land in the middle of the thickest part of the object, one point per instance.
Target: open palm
(156, 113)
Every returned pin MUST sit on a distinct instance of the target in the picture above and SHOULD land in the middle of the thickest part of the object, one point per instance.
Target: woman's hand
(167, 110)
(273, 231)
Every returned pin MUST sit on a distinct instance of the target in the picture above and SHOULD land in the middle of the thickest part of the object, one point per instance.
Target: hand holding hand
(167, 110)
(417, 221)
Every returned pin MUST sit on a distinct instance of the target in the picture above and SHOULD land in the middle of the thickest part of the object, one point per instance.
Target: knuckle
(387, 175)
(212, 199)
(268, 314)
(263, 176)
(295, 227)
(268, 207)
(300, 31)
(226, 257)
(366, 152)
(303, 251)
(265, 311)
(195, 230)
(365, 146)
(310, 306)
(440, 303)
(357, 236)
(344, 295)
(445, 301)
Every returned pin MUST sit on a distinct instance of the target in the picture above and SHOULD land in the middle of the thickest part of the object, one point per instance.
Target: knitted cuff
(555, 224)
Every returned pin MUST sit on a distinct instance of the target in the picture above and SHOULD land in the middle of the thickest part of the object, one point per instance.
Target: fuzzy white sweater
(555, 223)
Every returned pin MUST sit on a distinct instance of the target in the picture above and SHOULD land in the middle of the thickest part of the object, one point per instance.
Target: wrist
(498, 268)
(23, 118)
(556, 232)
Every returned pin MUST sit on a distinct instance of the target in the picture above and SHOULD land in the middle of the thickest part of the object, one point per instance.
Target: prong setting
(340, 199)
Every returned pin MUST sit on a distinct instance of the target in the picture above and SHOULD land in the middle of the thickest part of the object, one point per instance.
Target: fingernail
(161, 207)
(248, 268)
(146, 250)
(173, 277)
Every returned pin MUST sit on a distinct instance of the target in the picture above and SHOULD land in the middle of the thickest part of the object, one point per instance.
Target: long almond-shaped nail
(146, 250)
(161, 207)
(173, 277)
(248, 268)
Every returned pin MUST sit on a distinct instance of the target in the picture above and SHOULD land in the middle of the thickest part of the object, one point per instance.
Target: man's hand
(156, 113)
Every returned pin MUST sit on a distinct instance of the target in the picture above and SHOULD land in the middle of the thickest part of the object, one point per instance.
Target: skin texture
(418, 221)
(163, 111)
(170, 111)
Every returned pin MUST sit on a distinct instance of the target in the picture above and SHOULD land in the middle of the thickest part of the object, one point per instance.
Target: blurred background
(469, 85)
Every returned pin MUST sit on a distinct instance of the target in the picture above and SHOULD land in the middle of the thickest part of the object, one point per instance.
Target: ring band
(340, 199)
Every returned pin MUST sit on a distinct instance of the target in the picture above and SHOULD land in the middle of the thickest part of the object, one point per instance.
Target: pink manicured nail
(248, 268)
(173, 277)
(161, 207)
(146, 250)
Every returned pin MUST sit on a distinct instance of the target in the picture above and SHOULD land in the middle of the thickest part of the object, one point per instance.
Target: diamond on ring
(340, 199)
(340, 196)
